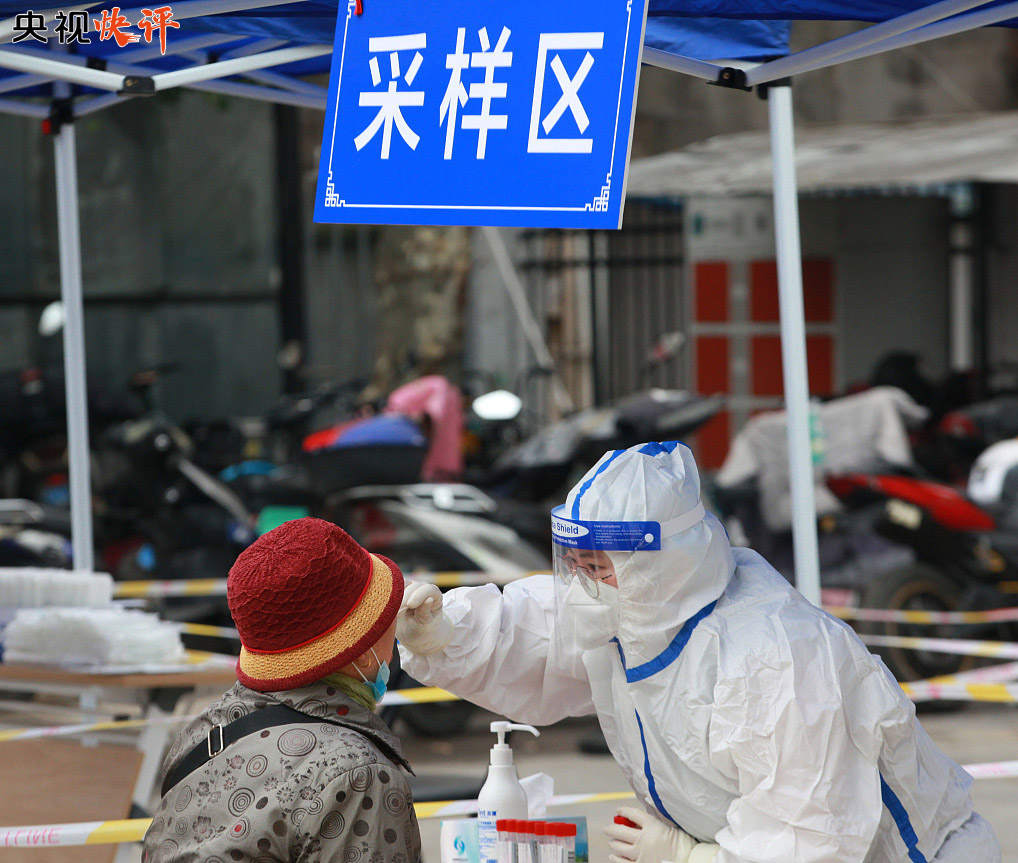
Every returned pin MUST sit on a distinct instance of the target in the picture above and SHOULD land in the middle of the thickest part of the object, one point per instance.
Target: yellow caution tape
(204, 657)
(206, 629)
(65, 730)
(127, 830)
(183, 587)
(133, 830)
(884, 615)
(962, 647)
(1000, 693)
(395, 698)
(217, 586)
(416, 695)
(1002, 672)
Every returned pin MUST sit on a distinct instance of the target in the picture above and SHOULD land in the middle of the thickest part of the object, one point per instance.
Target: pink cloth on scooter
(438, 399)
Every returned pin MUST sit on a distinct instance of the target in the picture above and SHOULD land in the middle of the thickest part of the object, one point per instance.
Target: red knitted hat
(307, 600)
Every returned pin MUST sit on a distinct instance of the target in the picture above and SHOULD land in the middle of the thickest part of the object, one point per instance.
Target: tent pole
(65, 152)
(793, 341)
(962, 279)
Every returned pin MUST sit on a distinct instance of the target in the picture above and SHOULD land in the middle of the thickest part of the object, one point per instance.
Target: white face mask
(591, 622)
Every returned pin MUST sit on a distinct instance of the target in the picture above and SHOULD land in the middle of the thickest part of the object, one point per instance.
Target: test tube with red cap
(524, 853)
(568, 833)
(542, 835)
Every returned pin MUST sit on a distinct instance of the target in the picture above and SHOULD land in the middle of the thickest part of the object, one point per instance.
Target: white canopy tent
(921, 155)
(128, 75)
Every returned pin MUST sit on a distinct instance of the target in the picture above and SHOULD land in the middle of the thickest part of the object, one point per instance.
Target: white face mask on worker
(591, 622)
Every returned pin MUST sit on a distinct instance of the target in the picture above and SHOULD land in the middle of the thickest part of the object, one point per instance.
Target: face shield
(594, 552)
(597, 553)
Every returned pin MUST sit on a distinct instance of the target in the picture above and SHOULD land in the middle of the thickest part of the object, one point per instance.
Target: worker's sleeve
(798, 729)
(507, 654)
(365, 814)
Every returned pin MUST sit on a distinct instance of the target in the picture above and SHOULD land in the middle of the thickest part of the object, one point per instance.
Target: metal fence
(607, 299)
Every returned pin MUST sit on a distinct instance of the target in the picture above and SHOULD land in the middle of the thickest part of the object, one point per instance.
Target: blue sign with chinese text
(476, 112)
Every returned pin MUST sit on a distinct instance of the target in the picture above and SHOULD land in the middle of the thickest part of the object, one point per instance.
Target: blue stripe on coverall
(642, 672)
(656, 447)
(667, 656)
(590, 482)
(900, 817)
(651, 784)
(646, 449)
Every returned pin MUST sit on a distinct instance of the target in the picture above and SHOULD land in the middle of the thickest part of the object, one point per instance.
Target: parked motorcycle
(966, 559)
(34, 535)
(33, 422)
(545, 466)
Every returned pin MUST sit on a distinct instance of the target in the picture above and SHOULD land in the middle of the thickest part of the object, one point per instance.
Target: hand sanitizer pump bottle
(501, 796)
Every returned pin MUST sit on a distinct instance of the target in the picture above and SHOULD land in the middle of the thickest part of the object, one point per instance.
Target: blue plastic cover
(811, 10)
(718, 39)
(701, 29)
(384, 430)
(315, 22)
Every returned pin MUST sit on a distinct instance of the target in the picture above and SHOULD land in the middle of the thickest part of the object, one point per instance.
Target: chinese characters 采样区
(452, 113)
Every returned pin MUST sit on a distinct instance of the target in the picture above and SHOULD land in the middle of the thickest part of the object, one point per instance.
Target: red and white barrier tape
(994, 615)
(960, 646)
(1000, 693)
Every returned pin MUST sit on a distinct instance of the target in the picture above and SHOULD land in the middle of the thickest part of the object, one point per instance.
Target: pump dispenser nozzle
(501, 753)
(501, 728)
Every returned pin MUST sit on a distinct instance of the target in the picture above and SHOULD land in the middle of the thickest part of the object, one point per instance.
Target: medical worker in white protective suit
(751, 725)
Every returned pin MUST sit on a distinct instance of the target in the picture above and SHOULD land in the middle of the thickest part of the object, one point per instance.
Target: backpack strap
(222, 736)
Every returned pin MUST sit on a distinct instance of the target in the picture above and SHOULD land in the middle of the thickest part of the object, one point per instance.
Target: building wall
(178, 248)
(890, 277)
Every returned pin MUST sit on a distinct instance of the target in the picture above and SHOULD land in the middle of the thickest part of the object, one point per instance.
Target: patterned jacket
(323, 792)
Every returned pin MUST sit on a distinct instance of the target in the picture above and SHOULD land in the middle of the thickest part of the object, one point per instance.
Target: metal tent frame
(272, 67)
(127, 77)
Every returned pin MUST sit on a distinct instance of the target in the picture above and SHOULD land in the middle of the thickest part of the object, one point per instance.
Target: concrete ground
(975, 734)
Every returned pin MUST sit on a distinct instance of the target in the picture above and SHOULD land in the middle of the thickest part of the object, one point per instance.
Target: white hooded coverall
(737, 710)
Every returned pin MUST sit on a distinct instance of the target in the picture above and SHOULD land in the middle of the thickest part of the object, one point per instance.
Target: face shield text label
(606, 535)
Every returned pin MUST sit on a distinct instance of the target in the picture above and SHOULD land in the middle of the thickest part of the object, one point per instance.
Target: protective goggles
(592, 550)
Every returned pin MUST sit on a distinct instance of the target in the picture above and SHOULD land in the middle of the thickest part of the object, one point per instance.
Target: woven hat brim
(289, 669)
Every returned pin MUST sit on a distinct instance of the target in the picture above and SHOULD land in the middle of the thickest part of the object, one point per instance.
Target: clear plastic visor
(593, 567)
(593, 551)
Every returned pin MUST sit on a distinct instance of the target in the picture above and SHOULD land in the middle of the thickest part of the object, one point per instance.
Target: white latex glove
(421, 625)
(652, 842)
(703, 852)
